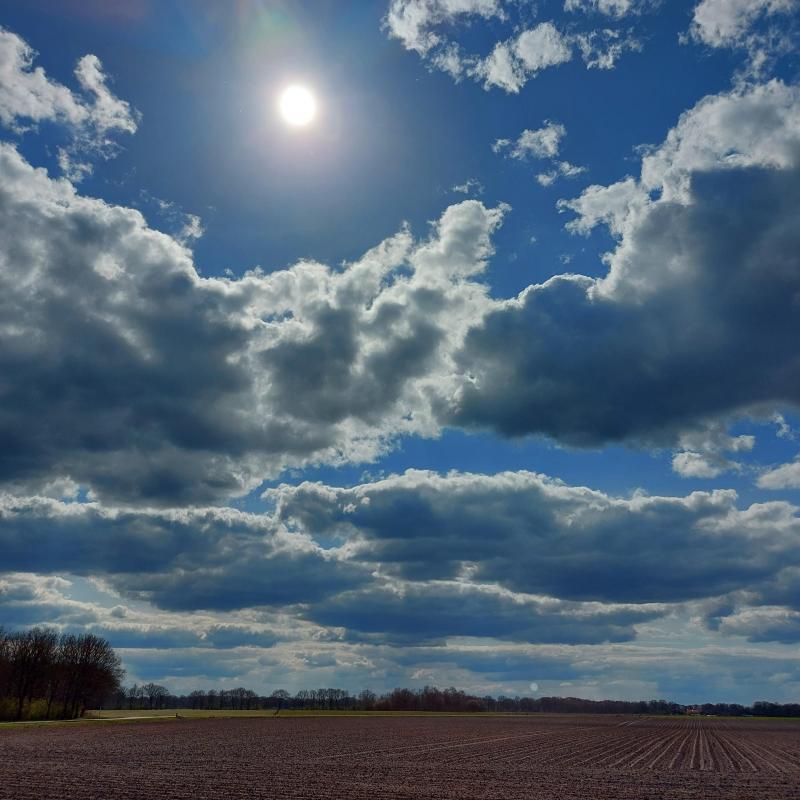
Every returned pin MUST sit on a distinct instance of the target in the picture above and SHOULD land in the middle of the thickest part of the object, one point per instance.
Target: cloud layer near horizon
(546, 561)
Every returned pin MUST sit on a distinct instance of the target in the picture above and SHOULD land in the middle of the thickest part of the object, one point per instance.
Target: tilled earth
(508, 758)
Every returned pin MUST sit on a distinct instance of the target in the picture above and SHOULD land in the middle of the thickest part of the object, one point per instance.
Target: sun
(298, 106)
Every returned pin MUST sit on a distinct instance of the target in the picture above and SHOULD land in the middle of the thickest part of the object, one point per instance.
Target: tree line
(47, 675)
(429, 698)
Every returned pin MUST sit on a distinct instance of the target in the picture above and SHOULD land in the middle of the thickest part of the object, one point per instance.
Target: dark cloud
(588, 367)
(127, 372)
(531, 534)
(151, 638)
(771, 624)
(513, 555)
(241, 583)
(218, 559)
(430, 611)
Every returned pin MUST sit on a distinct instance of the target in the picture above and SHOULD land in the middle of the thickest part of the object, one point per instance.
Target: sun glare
(298, 106)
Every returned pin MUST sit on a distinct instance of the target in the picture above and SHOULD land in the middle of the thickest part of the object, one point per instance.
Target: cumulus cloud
(761, 624)
(129, 374)
(434, 610)
(724, 23)
(132, 376)
(703, 452)
(540, 144)
(560, 169)
(513, 62)
(543, 142)
(28, 598)
(28, 96)
(412, 21)
(429, 28)
(784, 476)
(758, 27)
(706, 254)
(531, 534)
(188, 559)
(612, 8)
(222, 560)
(33, 599)
(541, 558)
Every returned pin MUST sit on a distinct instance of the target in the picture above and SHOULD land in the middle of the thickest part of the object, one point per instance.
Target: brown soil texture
(507, 758)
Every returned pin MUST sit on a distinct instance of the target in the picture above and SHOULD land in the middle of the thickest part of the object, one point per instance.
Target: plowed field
(508, 758)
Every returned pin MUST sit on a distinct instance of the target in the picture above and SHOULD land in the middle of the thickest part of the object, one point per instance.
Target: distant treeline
(45, 675)
(155, 696)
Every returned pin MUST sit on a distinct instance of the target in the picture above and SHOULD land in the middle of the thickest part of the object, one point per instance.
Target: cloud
(784, 476)
(543, 144)
(470, 186)
(702, 452)
(705, 255)
(747, 25)
(28, 96)
(602, 49)
(611, 8)
(726, 23)
(513, 62)
(411, 21)
(762, 624)
(785, 430)
(431, 611)
(543, 559)
(531, 534)
(561, 169)
(129, 374)
(188, 559)
(27, 600)
(429, 27)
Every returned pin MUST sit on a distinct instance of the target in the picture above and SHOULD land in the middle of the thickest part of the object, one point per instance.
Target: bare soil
(502, 758)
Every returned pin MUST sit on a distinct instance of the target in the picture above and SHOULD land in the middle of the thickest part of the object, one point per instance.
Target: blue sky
(486, 377)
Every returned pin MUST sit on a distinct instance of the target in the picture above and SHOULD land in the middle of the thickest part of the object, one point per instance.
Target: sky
(486, 376)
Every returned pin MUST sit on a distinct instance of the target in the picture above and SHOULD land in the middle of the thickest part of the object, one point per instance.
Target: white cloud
(762, 28)
(784, 429)
(689, 464)
(602, 49)
(726, 23)
(543, 142)
(512, 63)
(470, 186)
(702, 453)
(561, 169)
(541, 47)
(28, 96)
(762, 624)
(746, 128)
(429, 28)
(411, 21)
(612, 8)
(785, 476)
